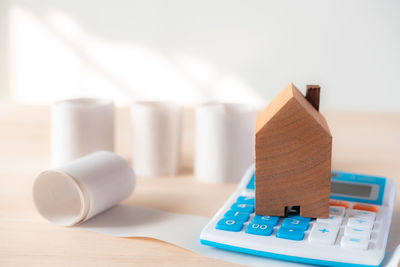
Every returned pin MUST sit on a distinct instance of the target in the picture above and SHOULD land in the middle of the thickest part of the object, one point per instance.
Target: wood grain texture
(293, 157)
(29, 240)
(364, 142)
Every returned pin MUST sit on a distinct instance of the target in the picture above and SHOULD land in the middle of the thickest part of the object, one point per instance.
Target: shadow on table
(125, 216)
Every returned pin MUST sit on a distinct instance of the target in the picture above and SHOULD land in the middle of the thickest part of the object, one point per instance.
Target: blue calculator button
(259, 229)
(245, 200)
(237, 215)
(270, 220)
(295, 224)
(290, 233)
(243, 207)
(229, 225)
(250, 185)
(298, 217)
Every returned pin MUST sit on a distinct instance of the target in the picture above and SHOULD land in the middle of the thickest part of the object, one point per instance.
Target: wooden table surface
(363, 142)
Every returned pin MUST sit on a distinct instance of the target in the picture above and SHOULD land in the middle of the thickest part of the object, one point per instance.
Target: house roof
(290, 92)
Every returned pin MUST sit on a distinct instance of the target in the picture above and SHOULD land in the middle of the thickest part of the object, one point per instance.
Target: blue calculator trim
(359, 178)
(250, 185)
(282, 257)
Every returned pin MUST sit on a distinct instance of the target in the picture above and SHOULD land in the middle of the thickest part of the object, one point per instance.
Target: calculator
(354, 234)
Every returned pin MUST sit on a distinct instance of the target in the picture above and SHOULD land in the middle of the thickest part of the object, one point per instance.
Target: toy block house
(293, 155)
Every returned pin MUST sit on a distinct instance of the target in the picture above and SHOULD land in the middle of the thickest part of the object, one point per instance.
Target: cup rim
(86, 101)
(155, 104)
(227, 106)
(83, 198)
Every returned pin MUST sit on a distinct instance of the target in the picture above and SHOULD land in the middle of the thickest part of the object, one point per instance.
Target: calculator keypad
(336, 215)
(357, 232)
(353, 233)
(357, 223)
(245, 200)
(237, 215)
(295, 224)
(299, 217)
(292, 228)
(290, 233)
(361, 223)
(354, 242)
(229, 225)
(338, 211)
(324, 233)
(243, 207)
(259, 229)
(270, 220)
(332, 219)
(363, 214)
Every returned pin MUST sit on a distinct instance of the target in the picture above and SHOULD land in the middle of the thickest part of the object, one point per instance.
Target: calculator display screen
(356, 190)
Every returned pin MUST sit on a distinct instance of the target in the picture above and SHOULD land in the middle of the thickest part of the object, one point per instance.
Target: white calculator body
(355, 234)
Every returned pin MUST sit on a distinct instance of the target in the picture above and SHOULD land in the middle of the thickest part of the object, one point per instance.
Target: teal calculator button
(237, 215)
(243, 207)
(295, 224)
(298, 217)
(270, 220)
(290, 233)
(229, 225)
(259, 229)
(250, 185)
(245, 200)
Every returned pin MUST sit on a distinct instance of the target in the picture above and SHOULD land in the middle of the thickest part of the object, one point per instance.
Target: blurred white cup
(79, 127)
(224, 141)
(156, 138)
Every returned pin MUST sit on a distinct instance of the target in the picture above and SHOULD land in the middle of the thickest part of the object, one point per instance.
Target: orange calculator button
(339, 203)
(360, 206)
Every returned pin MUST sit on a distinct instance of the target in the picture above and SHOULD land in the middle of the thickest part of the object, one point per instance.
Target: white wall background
(193, 51)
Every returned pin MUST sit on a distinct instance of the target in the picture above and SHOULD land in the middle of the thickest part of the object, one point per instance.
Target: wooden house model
(293, 147)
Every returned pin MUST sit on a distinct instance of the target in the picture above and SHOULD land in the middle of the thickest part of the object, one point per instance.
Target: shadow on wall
(196, 51)
(64, 51)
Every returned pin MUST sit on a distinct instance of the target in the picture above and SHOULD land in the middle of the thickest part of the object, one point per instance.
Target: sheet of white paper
(99, 181)
(178, 229)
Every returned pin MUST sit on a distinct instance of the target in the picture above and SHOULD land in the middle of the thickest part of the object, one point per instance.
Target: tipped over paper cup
(81, 189)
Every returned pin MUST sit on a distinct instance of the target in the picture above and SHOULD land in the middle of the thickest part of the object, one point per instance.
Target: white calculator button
(363, 214)
(332, 219)
(354, 242)
(338, 211)
(357, 232)
(324, 233)
(360, 223)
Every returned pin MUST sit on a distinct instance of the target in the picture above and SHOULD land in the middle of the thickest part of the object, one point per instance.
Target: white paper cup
(83, 188)
(156, 138)
(224, 141)
(79, 127)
